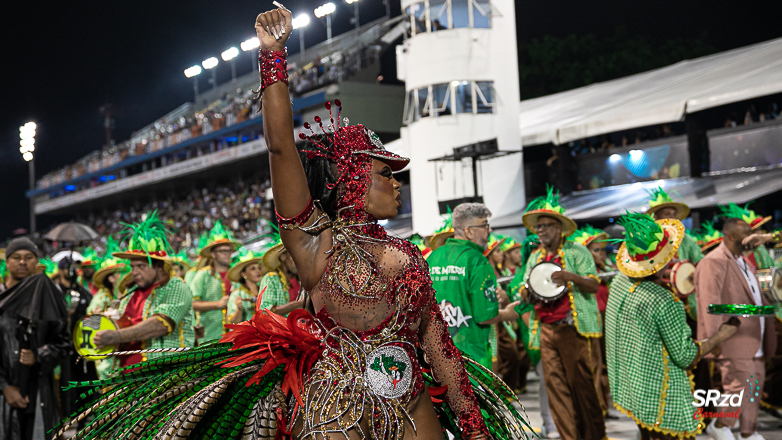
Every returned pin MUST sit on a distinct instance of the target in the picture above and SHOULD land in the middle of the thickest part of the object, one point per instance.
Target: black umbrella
(34, 300)
(71, 231)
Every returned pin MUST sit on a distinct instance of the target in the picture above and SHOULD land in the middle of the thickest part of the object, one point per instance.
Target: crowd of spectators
(241, 206)
(233, 108)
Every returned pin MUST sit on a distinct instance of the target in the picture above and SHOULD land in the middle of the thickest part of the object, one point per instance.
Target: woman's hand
(274, 28)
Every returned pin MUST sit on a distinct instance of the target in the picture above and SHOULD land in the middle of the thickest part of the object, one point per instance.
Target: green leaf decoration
(219, 232)
(585, 233)
(642, 233)
(147, 236)
(659, 196)
(732, 210)
(549, 202)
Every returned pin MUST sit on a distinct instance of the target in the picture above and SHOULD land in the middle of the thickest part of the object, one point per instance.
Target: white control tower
(460, 69)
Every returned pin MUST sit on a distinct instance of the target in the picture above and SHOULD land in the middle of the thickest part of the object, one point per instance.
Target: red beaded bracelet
(297, 220)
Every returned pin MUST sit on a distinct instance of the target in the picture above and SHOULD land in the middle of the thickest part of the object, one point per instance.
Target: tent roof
(696, 192)
(655, 97)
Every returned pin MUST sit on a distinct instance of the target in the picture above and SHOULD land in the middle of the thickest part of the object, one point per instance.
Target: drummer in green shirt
(465, 283)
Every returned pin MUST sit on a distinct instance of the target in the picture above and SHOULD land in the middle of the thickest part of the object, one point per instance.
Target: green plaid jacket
(275, 294)
(248, 307)
(175, 301)
(586, 315)
(649, 347)
(100, 301)
(208, 287)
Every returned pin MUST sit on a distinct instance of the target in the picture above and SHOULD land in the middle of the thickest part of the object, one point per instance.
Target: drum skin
(681, 278)
(540, 284)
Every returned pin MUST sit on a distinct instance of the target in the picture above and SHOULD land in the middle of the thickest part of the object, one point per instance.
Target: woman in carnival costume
(245, 274)
(376, 361)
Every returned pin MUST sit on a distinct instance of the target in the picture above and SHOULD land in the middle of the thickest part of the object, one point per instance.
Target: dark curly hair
(320, 172)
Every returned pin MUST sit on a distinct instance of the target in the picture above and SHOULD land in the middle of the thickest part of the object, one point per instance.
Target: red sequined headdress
(352, 148)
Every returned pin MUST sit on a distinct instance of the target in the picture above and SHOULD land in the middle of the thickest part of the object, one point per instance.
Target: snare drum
(84, 333)
(681, 278)
(770, 281)
(540, 284)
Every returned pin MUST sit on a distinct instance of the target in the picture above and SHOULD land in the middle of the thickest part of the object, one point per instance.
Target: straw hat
(495, 243)
(587, 235)
(147, 240)
(248, 259)
(660, 199)
(271, 259)
(649, 245)
(734, 211)
(548, 206)
(218, 236)
(445, 232)
(124, 282)
(107, 267)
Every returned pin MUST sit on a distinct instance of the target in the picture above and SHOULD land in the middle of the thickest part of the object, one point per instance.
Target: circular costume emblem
(389, 371)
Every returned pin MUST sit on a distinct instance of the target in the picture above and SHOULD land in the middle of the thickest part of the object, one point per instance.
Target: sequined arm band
(273, 67)
(300, 219)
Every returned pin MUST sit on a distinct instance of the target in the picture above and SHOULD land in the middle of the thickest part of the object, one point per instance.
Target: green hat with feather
(243, 260)
(648, 245)
(659, 199)
(109, 264)
(444, 232)
(588, 234)
(548, 206)
(89, 258)
(710, 236)
(146, 239)
(495, 243)
(271, 258)
(219, 236)
(733, 210)
(510, 244)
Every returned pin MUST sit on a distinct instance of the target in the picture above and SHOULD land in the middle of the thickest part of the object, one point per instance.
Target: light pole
(355, 11)
(229, 55)
(210, 64)
(301, 22)
(326, 11)
(249, 46)
(26, 147)
(193, 72)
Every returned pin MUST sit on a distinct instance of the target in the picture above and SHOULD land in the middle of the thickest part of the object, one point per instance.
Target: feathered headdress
(495, 243)
(145, 239)
(241, 261)
(352, 148)
(444, 232)
(588, 234)
(648, 245)
(549, 206)
(219, 235)
(711, 237)
(109, 264)
(732, 210)
(659, 199)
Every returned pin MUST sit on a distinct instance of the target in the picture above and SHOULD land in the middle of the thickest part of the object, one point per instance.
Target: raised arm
(289, 183)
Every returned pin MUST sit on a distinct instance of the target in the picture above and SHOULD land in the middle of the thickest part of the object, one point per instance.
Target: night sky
(63, 60)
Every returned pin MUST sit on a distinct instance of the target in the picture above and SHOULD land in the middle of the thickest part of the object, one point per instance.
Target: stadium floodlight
(350, 2)
(301, 21)
(636, 155)
(26, 147)
(230, 54)
(355, 12)
(325, 10)
(209, 63)
(193, 71)
(253, 43)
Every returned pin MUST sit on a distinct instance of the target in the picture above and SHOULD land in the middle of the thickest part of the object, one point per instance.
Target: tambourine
(770, 281)
(540, 284)
(745, 310)
(84, 333)
(680, 278)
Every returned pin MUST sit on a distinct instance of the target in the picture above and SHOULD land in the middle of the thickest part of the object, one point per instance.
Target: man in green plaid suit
(276, 285)
(567, 328)
(157, 314)
(648, 342)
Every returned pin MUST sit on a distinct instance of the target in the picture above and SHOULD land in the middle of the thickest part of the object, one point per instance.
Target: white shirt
(754, 287)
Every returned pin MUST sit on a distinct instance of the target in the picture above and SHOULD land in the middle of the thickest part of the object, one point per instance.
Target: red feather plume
(292, 341)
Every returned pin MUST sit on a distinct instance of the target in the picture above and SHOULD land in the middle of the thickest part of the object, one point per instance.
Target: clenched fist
(274, 28)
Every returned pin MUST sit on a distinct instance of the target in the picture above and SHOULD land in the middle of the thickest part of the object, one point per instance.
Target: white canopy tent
(654, 97)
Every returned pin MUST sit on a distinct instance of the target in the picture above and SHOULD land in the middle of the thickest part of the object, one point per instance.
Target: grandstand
(217, 141)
